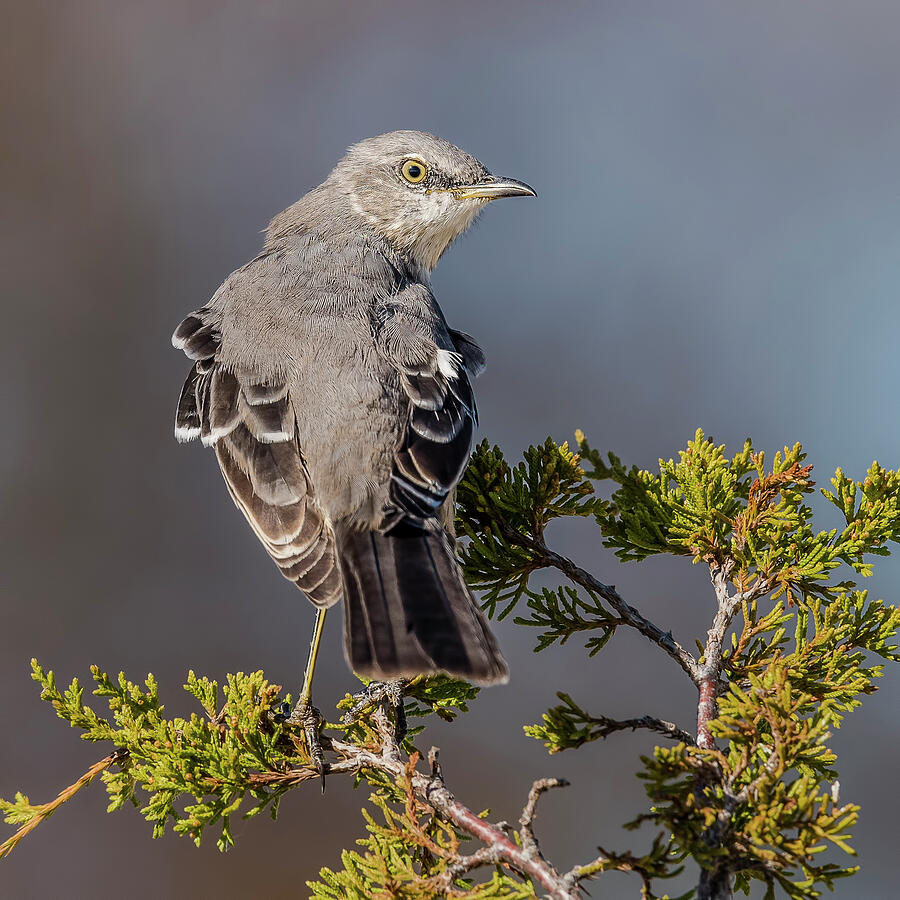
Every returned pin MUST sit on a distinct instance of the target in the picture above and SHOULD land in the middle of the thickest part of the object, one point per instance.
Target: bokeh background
(716, 243)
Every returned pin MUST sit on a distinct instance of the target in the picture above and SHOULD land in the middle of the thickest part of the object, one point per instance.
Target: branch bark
(628, 614)
(606, 726)
(716, 884)
(710, 671)
(499, 847)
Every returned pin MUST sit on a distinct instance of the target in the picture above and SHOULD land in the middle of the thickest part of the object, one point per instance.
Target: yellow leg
(306, 692)
(305, 714)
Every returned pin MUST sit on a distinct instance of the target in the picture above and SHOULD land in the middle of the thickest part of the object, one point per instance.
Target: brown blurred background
(716, 243)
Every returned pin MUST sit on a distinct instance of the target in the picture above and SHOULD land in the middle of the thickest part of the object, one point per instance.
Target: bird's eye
(413, 171)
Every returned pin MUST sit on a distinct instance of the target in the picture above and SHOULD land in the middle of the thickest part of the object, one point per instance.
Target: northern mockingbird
(338, 402)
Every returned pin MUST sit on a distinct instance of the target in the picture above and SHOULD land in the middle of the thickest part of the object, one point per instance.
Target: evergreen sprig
(567, 726)
(408, 853)
(499, 505)
(762, 805)
(564, 612)
(752, 795)
(776, 686)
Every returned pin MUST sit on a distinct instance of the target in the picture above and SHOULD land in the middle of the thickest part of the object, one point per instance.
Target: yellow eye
(413, 171)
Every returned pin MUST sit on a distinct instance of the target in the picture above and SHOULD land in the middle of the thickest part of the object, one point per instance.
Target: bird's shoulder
(310, 265)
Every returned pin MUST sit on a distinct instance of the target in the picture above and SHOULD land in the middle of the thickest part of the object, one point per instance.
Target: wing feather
(249, 421)
(438, 437)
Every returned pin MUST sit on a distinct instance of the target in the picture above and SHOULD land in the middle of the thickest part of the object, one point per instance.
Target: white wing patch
(184, 434)
(448, 363)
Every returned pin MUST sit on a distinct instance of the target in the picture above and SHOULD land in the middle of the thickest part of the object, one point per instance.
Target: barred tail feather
(408, 610)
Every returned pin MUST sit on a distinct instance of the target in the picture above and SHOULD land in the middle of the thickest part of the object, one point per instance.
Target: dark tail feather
(408, 610)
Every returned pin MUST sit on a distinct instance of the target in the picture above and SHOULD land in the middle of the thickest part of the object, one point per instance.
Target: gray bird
(338, 402)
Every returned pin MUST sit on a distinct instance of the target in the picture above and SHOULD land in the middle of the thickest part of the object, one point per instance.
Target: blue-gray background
(716, 243)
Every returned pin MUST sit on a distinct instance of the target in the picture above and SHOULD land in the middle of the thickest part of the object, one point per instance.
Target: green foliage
(767, 786)
(195, 772)
(758, 801)
(567, 726)
(754, 794)
(504, 511)
(826, 651)
(198, 772)
(720, 510)
(406, 855)
(565, 612)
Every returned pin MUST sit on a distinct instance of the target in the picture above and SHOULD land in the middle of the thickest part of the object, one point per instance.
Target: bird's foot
(310, 720)
(376, 692)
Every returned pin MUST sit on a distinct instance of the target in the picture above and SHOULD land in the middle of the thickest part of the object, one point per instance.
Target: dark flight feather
(408, 609)
(435, 448)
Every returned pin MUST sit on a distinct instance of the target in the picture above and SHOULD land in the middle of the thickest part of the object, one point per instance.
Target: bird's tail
(408, 610)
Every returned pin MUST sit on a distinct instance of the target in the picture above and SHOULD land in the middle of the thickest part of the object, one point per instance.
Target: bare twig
(629, 615)
(486, 856)
(45, 810)
(606, 727)
(529, 813)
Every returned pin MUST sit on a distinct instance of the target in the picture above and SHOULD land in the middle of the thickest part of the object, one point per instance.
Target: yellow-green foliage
(758, 799)
(799, 658)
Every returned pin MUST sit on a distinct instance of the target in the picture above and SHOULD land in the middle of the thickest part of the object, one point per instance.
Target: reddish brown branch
(707, 709)
(499, 846)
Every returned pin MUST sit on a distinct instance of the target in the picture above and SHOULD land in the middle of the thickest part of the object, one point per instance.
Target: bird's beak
(493, 187)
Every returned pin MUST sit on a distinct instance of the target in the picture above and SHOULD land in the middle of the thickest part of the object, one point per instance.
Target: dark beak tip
(495, 186)
(518, 188)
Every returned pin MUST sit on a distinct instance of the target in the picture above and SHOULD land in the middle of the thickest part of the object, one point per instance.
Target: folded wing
(438, 435)
(250, 423)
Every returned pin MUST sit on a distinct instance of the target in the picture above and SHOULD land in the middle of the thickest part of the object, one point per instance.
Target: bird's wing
(432, 361)
(467, 347)
(250, 422)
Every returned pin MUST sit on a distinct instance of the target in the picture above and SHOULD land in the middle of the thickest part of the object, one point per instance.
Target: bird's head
(417, 191)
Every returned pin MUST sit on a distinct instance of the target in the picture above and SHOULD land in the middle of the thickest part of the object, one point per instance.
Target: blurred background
(716, 243)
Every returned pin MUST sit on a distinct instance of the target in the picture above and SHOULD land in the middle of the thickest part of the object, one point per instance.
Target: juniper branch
(606, 726)
(45, 810)
(626, 613)
(431, 790)
(747, 799)
(567, 726)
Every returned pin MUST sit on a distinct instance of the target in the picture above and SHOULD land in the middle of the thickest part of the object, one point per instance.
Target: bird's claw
(376, 692)
(310, 719)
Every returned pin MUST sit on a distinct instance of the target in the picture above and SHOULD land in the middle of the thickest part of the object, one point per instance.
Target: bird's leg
(318, 629)
(304, 713)
(376, 691)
